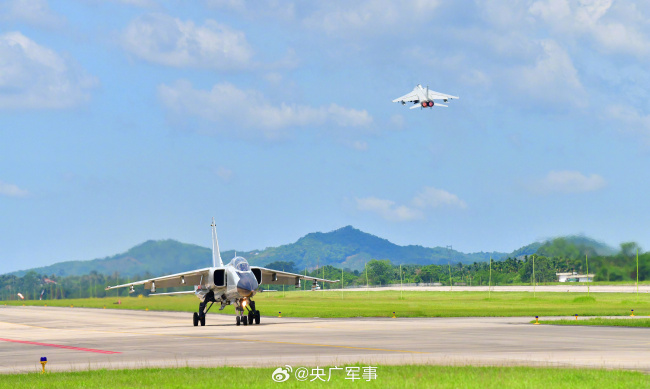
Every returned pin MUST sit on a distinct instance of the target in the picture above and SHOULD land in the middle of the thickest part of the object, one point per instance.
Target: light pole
(449, 248)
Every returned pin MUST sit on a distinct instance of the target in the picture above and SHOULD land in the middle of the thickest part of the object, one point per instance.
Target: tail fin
(216, 255)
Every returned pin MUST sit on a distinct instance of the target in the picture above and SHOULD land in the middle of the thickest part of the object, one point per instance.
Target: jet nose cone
(243, 292)
(246, 286)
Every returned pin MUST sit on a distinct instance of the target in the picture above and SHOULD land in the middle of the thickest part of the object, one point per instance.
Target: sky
(128, 120)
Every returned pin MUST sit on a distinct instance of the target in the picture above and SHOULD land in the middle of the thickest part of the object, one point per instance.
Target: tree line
(556, 256)
(553, 257)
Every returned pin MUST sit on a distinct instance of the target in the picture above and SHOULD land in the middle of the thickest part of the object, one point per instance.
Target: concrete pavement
(83, 338)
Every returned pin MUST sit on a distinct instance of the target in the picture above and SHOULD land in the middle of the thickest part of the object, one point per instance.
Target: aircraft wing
(194, 277)
(173, 293)
(408, 97)
(433, 95)
(276, 277)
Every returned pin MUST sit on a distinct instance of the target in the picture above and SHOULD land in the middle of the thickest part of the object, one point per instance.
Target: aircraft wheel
(244, 321)
(238, 320)
(196, 319)
(257, 317)
(251, 317)
(203, 321)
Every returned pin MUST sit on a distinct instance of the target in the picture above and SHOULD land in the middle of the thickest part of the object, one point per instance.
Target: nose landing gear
(253, 316)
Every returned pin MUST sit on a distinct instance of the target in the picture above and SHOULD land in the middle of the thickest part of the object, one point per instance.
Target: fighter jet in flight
(235, 283)
(423, 98)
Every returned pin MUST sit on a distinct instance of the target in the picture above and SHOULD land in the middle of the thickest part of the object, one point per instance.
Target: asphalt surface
(83, 338)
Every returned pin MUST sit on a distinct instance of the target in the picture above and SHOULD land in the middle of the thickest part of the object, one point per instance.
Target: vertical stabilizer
(216, 255)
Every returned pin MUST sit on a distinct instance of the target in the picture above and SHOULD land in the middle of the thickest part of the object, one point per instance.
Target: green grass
(383, 303)
(599, 321)
(409, 376)
(598, 283)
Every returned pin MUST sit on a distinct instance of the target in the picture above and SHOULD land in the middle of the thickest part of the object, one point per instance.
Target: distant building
(574, 277)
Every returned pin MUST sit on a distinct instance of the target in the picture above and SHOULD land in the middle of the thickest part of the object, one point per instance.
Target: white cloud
(358, 145)
(275, 9)
(339, 17)
(238, 5)
(590, 11)
(476, 77)
(552, 79)
(229, 109)
(568, 181)
(347, 117)
(388, 210)
(170, 41)
(224, 173)
(33, 76)
(34, 12)
(427, 199)
(613, 27)
(631, 121)
(138, 3)
(431, 197)
(618, 37)
(550, 10)
(551, 53)
(274, 78)
(504, 15)
(11, 190)
(151, 4)
(370, 15)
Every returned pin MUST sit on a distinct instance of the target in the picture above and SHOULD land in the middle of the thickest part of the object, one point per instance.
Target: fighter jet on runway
(423, 98)
(235, 283)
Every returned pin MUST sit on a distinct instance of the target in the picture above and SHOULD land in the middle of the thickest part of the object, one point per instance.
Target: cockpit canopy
(240, 264)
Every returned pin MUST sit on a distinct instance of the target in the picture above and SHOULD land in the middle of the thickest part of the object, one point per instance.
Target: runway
(83, 338)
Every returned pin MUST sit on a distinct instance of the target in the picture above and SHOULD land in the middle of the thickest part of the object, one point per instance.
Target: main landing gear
(253, 315)
(199, 317)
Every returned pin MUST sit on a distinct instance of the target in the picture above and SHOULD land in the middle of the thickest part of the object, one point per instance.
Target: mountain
(350, 248)
(346, 247)
(153, 257)
(526, 250)
(573, 246)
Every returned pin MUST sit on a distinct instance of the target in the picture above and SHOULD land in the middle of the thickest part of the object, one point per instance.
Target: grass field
(384, 303)
(592, 283)
(599, 321)
(409, 376)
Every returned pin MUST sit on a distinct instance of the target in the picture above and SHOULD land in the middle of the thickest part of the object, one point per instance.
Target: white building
(574, 277)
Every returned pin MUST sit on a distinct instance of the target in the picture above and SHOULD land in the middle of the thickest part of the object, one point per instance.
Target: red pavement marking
(90, 350)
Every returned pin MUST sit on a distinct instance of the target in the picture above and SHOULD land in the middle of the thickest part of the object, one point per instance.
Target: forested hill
(153, 257)
(346, 247)
(350, 248)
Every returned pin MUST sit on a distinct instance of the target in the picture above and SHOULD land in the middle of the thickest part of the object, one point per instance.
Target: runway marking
(90, 350)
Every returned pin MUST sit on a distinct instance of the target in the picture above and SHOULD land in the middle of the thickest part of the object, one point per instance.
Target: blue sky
(123, 121)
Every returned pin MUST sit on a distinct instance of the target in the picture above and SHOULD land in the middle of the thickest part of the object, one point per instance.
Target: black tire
(251, 318)
(244, 321)
(238, 320)
(203, 321)
(257, 317)
(196, 319)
